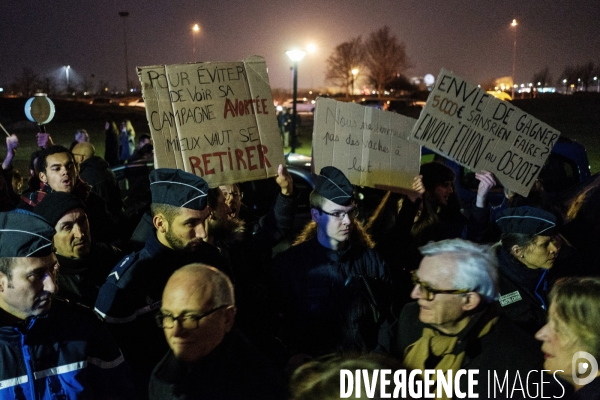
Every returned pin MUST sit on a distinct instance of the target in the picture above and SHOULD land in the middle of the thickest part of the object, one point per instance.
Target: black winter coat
(234, 370)
(505, 348)
(97, 173)
(331, 300)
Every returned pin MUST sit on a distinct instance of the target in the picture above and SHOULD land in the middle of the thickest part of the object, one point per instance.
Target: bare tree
(385, 58)
(346, 57)
(49, 85)
(542, 78)
(568, 77)
(28, 83)
(585, 74)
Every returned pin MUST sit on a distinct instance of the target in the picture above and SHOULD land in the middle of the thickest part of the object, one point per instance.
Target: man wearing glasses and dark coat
(332, 288)
(208, 357)
(455, 324)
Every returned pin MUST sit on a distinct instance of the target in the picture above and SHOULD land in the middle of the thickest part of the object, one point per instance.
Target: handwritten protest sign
(368, 145)
(464, 123)
(215, 120)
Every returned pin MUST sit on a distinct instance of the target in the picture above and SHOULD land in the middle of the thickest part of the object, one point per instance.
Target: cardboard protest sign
(464, 123)
(368, 145)
(215, 120)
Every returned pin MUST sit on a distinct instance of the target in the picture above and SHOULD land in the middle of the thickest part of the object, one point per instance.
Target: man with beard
(133, 290)
(84, 263)
(49, 349)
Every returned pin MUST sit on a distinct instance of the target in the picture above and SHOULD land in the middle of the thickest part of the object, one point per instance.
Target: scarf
(435, 350)
(81, 190)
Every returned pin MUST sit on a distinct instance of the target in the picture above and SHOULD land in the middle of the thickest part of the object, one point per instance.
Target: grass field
(576, 117)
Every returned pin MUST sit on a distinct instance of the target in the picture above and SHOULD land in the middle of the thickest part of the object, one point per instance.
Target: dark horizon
(474, 40)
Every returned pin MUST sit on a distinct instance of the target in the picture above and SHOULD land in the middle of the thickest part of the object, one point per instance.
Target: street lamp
(195, 30)
(597, 84)
(124, 15)
(514, 25)
(354, 73)
(295, 56)
(67, 68)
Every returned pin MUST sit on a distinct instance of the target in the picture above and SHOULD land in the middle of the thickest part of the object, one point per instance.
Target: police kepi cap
(24, 234)
(332, 184)
(527, 220)
(178, 188)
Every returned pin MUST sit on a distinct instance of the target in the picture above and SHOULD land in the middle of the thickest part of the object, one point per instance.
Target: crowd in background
(194, 305)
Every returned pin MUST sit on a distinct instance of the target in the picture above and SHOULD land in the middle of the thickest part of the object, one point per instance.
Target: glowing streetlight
(597, 84)
(67, 68)
(195, 30)
(514, 25)
(295, 56)
(354, 73)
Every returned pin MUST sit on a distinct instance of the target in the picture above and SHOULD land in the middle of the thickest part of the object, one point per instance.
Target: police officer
(49, 349)
(132, 292)
(527, 250)
(333, 287)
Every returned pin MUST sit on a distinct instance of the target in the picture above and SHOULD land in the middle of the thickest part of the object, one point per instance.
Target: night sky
(472, 38)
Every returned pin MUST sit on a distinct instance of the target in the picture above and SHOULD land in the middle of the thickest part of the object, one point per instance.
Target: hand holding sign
(463, 123)
(285, 181)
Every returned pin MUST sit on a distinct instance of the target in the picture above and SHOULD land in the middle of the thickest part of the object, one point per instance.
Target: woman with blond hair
(572, 335)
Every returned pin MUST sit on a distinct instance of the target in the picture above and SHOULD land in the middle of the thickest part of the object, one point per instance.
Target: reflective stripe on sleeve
(8, 383)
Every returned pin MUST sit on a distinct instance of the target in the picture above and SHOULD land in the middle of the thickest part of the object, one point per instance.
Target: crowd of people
(183, 298)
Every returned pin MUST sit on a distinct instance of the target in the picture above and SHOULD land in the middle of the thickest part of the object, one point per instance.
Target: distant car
(302, 105)
(137, 103)
(407, 107)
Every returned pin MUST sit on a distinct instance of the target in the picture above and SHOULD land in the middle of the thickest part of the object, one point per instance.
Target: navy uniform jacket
(65, 354)
(523, 292)
(131, 297)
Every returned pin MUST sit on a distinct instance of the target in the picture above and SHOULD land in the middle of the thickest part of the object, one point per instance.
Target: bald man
(206, 354)
(96, 172)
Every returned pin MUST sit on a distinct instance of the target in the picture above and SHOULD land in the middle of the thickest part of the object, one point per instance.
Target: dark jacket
(331, 300)
(523, 292)
(111, 147)
(591, 391)
(505, 348)
(233, 370)
(97, 173)
(132, 295)
(70, 354)
(79, 280)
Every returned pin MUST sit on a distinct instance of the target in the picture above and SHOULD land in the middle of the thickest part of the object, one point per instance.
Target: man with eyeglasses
(208, 358)
(333, 289)
(455, 323)
(50, 349)
(133, 289)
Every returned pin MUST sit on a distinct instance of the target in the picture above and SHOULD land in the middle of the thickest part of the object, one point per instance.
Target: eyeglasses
(429, 292)
(229, 195)
(186, 321)
(341, 214)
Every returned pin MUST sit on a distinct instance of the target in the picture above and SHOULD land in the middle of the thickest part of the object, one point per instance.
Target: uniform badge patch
(510, 298)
